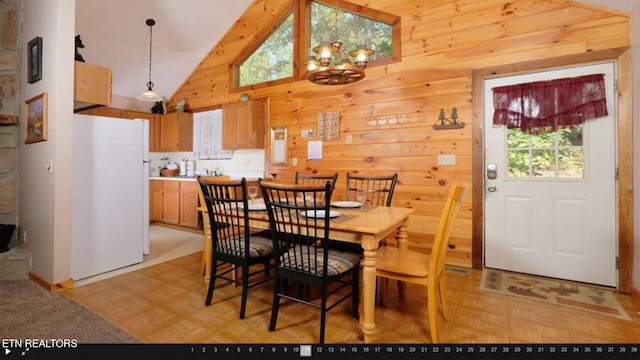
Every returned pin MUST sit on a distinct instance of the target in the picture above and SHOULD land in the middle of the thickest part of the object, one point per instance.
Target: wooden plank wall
(443, 41)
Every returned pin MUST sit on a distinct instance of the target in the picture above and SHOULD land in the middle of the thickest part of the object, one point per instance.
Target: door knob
(492, 188)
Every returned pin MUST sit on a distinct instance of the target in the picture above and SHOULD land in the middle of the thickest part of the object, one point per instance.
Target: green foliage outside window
(350, 29)
(272, 60)
(553, 155)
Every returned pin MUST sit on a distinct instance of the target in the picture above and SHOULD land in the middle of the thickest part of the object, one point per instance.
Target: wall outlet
(23, 236)
(294, 161)
(446, 159)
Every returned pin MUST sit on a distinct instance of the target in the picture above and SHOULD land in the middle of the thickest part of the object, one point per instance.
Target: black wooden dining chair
(299, 222)
(315, 179)
(232, 239)
(379, 189)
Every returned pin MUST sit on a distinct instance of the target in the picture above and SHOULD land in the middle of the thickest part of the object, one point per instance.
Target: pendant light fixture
(150, 95)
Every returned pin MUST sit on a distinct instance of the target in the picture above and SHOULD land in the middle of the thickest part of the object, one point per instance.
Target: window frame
(301, 11)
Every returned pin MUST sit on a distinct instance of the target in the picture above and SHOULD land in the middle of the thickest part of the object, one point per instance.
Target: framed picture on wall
(34, 59)
(279, 135)
(36, 116)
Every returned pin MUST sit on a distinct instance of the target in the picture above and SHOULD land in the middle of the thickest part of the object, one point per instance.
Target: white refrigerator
(110, 194)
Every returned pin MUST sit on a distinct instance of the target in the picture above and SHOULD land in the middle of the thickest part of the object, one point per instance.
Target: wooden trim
(592, 7)
(67, 284)
(635, 294)
(625, 170)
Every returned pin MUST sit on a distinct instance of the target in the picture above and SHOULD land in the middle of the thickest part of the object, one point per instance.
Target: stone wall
(10, 105)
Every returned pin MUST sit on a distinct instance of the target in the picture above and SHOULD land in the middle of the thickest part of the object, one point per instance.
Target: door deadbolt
(492, 171)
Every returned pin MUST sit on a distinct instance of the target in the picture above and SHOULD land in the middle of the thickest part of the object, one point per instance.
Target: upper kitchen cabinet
(243, 125)
(176, 132)
(92, 85)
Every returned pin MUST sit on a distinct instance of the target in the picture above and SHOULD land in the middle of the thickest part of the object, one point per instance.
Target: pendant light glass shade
(150, 95)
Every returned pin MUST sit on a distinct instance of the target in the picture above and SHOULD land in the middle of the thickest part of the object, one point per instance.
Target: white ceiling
(115, 36)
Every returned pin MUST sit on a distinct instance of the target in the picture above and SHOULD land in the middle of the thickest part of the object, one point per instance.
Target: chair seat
(258, 246)
(339, 261)
(403, 261)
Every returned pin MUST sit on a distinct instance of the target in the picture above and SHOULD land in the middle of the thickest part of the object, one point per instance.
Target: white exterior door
(551, 209)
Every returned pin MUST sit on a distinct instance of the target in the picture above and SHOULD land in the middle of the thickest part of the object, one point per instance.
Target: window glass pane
(518, 162)
(517, 139)
(543, 163)
(272, 60)
(350, 29)
(571, 136)
(571, 163)
(543, 141)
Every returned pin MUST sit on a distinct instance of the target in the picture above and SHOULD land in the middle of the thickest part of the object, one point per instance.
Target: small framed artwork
(36, 116)
(279, 145)
(34, 60)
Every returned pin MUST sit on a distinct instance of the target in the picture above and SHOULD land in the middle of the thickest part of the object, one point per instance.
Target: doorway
(550, 219)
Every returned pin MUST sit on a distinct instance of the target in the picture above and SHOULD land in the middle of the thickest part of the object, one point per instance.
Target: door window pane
(558, 155)
(543, 163)
(570, 163)
(519, 163)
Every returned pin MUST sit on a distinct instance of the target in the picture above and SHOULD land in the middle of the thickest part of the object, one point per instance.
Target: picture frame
(34, 60)
(36, 119)
(279, 145)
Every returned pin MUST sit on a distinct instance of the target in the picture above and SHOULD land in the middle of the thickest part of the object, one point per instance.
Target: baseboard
(48, 286)
(176, 227)
(635, 293)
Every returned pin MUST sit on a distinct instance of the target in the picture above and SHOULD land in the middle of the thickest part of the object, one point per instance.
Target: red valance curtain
(544, 106)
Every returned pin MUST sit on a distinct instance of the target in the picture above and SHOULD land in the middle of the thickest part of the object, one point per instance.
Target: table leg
(368, 293)
(401, 237)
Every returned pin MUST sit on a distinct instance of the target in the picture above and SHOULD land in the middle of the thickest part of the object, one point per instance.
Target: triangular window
(272, 60)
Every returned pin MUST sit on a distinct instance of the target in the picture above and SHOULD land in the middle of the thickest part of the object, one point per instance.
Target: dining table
(366, 225)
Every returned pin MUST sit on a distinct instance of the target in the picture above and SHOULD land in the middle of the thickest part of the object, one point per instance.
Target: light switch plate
(349, 139)
(446, 159)
(294, 161)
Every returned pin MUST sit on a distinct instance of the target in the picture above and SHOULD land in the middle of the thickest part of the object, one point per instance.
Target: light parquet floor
(164, 303)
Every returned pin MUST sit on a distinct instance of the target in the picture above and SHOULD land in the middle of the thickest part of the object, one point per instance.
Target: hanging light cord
(150, 23)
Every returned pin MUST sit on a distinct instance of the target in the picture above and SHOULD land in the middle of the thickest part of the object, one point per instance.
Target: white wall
(43, 193)
(635, 54)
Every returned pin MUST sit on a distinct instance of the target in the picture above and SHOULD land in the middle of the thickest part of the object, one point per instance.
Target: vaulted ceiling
(115, 36)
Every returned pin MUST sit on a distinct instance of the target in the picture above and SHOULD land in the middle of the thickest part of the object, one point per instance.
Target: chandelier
(343, 71)
(150, 95)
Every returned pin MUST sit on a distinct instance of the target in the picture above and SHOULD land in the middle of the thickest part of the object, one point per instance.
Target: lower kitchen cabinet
(188, 204)
(174, 203)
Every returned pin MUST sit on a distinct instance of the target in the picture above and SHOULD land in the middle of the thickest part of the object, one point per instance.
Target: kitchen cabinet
(92, 85)
(174, 202)
(155, 197)
(176, 132)
(171, 202)
(188, 204)
(243, 125)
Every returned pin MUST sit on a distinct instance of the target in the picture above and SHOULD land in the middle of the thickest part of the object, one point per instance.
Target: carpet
(564, 293)
(30, 312)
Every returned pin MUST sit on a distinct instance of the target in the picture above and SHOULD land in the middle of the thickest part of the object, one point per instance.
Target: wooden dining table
(367, 226)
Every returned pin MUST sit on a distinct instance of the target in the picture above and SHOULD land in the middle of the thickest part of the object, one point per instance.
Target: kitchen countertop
(190, 178)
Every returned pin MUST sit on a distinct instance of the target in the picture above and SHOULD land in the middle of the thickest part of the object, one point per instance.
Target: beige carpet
(30, 312)
(564, 293)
